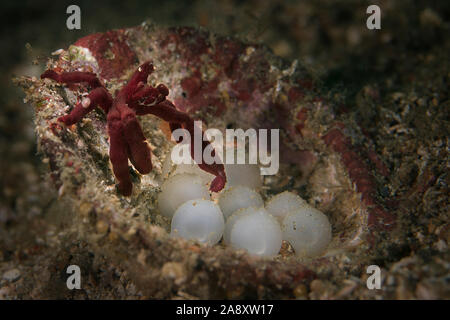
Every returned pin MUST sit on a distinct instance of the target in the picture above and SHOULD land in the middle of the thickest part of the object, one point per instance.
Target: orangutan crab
(127, 140)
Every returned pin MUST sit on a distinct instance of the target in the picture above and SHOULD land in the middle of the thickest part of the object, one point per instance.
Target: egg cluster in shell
(239, 215)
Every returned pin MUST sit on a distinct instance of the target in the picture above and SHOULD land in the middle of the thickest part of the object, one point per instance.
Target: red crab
(127, 140)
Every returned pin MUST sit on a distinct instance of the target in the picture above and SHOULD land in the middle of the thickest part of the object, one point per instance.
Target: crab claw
(218, 183)
(139, 76)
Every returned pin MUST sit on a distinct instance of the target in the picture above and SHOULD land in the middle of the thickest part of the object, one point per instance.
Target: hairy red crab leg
(136, 90)
(118, 151)
(173, 125)
(127, 141)
(138, 79)
(168, 112)
(99, 96)
(138, 149)
(73, 77)
(133, 92)
(155, 98)
(150, 95)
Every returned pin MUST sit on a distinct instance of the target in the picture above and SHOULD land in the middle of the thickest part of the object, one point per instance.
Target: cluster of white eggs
(239, 215)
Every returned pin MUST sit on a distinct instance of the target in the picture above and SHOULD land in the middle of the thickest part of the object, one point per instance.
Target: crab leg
(142, 109)
(73, 77)
(139, 78)
(138, 149)
(150, 95)
(118, 152)
(167, 111)
(173, 126)
(99, 96)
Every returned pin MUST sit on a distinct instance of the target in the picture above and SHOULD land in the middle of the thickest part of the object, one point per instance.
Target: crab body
(127, 141)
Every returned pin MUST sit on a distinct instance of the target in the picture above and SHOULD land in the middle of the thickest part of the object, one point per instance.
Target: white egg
(230, 223)
(199, 220)
(256, 231)
(283, 203)
(178, 189)
(248, 175)
(239, 197)
(307, 230)
(194, 169)
(169, 168)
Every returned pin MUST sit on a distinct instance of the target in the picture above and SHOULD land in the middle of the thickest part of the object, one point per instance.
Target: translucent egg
(230, 224)
(194, 169)
(169, 168)
(239, 197)
(281, 204)
(256, 231)
(248, 175)
(178, 189)
(199, 220)
(307, 230)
